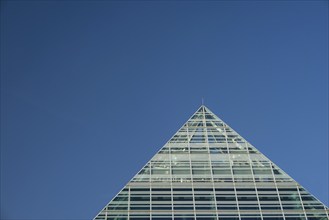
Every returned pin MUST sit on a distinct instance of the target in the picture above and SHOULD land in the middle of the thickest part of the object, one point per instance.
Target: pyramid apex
(203, 106)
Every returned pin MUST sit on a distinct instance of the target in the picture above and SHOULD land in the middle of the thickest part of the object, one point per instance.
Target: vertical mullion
(253, 178)
(211, 174)
(192, 182)
(301, 201)
(277, 189)
(231, 163)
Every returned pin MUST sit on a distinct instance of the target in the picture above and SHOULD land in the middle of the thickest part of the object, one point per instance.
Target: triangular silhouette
(208, 171)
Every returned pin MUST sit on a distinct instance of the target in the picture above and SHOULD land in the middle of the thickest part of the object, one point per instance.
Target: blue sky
(90, 90)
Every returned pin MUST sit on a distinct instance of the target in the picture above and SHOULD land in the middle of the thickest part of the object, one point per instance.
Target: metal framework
(208, 171)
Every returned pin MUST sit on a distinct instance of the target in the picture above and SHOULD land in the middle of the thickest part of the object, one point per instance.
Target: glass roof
(208, 171)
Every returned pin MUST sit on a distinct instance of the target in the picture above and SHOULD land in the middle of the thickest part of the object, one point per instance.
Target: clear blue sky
(91, 90)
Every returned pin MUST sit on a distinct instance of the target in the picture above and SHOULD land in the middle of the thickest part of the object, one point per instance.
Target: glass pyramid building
(208, 171)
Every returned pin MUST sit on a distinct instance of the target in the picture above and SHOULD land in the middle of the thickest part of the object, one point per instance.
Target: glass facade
(208, 171)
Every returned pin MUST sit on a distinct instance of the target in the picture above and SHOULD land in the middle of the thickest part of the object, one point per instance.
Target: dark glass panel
(222, 198)
(158, 198)
(140, 198)
(183, 198)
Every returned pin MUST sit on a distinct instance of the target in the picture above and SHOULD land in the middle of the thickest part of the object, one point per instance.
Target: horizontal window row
(210, 150)
(204, 207)
(208, 179)
(207, 165)
(285, 193)
(187, 171)
(219, 199)
(259, 189)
